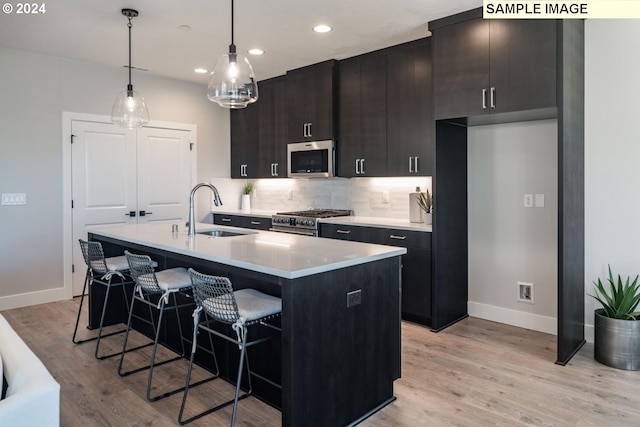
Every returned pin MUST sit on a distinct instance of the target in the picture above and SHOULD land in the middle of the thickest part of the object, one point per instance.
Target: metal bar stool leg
(75, 330)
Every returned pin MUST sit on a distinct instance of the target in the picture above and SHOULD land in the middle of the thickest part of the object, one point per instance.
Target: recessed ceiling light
(322, 28)
(256, 51)
(200, 70)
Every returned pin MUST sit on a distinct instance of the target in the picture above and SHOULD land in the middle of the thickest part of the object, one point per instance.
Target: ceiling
(95, 31)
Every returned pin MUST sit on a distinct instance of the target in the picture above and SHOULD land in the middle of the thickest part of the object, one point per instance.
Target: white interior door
(164, 174)
(118, 173)
(103, 170)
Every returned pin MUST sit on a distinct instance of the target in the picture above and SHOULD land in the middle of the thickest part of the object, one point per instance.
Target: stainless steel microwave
(314, 159)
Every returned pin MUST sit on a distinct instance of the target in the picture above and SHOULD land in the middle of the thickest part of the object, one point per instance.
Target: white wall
(35, 90)
(612, 152)
(508, 242)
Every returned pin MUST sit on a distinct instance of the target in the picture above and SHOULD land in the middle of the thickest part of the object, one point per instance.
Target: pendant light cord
(130, 87)
(232, 23)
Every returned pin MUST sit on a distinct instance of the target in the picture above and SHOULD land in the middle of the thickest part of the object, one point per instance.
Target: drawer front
(256, 222)
(230, 220)
(344, 232)
(399, 237)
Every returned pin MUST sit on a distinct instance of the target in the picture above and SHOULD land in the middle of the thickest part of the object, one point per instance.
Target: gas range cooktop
(318, 213)
(304, 222)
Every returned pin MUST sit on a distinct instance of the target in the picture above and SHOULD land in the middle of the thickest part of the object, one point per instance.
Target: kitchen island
(339, 351)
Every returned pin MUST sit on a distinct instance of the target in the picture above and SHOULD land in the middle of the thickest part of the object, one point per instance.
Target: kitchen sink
(217, 232)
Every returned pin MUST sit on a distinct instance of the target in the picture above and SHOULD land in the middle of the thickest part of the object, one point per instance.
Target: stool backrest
(215, 295)
(93, 256)
(141, 269)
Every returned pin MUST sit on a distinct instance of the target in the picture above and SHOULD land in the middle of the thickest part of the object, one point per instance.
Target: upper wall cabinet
(410, 124)
(492, 66)
(259, 134)
(386, 112)
(362, 145)
(311, 102)
(273, 128)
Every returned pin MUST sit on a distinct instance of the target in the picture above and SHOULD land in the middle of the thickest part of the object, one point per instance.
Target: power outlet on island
(354, 298)
(525, 292)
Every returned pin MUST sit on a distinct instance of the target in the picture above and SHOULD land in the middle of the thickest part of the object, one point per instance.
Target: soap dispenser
(415, 213)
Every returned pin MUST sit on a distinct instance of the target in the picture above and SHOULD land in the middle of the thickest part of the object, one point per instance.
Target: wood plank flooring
(475, 373)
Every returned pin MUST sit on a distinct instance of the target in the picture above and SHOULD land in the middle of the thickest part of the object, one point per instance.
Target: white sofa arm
(33, 396)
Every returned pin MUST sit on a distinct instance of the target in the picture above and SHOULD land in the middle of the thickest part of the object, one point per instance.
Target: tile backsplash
(362, 195)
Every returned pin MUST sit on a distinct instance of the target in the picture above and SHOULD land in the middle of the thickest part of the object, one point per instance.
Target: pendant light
(232, 83)
(129, 109)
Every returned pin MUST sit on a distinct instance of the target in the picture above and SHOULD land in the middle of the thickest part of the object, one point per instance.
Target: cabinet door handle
(343, 231)
(362, 166)
(255, 222)
(226, 220)
(484, 98)
(410, 165)
(357, 167)
(131, 213)
(304, 130)
(275, 169)
(309, 135)
(415, 165)
(493, 97)
(393, 236)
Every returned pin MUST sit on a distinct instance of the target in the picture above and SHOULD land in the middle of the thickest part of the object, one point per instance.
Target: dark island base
(336, 364)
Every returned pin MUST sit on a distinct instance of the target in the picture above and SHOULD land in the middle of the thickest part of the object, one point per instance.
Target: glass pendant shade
(232, 83)
(129, 110)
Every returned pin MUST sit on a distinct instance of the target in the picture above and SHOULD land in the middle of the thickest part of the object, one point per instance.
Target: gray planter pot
(617, 342)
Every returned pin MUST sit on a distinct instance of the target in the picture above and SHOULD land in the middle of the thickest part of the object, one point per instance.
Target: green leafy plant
(621, 299)
(248, 188)
(424, 201)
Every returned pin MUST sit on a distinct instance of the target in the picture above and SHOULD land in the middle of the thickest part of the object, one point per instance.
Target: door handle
(343, 231)
(357, 168)
(410, 165)
(144, 213)
(255, 222)
(484, 98)
(415, 168)
(309, 135)
(131, 213)
(493, 97)
(226, 219)
(362, 166)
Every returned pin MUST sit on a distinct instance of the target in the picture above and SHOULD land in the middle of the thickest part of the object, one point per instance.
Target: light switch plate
(539, 201)
(14, 199)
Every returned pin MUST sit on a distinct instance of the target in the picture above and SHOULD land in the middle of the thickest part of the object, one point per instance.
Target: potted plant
(617, 331)
(426, 204)
(246, 196)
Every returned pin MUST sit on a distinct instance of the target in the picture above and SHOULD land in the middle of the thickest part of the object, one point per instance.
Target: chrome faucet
(191, 223)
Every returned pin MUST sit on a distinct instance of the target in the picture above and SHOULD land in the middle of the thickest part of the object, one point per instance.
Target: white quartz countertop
(253, 212)
(279, 254)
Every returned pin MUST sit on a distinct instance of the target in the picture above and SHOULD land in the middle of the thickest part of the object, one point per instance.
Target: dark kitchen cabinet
(416, 263)
(259, 134)
(243, 221)
(245, 141)
(311, 102)
(362, 146)
(410, 123)
(492, 66)
(272, 125)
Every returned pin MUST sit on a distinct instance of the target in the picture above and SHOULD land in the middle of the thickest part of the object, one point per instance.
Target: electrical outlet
(528, 200)
(354, 298)
(525, 292)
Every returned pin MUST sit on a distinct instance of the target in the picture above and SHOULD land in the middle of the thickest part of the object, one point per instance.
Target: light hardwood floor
(474, 373)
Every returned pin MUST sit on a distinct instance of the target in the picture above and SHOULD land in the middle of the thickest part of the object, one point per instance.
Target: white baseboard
(32, 298)
(517, 318)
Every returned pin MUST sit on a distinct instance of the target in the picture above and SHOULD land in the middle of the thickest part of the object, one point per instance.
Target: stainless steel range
(304, 222)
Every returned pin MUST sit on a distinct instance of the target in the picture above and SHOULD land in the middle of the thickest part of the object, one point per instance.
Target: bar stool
(149, 284)
(243, 308)
(101, 270)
